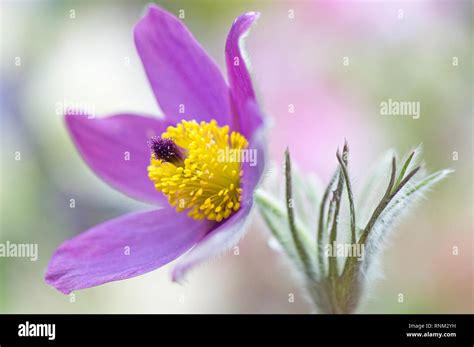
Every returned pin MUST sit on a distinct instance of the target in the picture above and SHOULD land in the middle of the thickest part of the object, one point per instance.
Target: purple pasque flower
(167, 160)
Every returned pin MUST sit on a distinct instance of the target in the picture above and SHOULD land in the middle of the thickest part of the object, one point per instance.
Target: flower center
(165, 149)
(202, 180)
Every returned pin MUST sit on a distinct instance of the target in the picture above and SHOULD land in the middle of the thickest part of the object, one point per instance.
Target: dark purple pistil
(165, 149)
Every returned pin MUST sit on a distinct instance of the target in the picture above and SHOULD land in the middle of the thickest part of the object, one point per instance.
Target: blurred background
(321, 70)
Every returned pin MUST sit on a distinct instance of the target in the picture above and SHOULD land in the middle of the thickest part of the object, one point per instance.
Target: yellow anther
(203, 183)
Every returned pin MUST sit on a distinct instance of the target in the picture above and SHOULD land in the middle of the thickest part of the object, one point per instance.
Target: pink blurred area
(322, 121)
(309, 109)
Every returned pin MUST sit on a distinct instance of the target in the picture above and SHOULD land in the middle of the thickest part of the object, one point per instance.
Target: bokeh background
(60, 53)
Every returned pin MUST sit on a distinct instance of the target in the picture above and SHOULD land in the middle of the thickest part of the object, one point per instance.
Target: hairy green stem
(321, 227)
(404, 169)
(335, 290)
(301, 249)
(350, 197)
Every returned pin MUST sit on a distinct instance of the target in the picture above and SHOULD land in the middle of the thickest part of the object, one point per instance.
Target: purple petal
(253, 171)
(121, 248)
(179, 70)
(116, 149)
(230, 231)
(239, 78)
(224, 236)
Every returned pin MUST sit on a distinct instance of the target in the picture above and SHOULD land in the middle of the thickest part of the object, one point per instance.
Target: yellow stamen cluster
(203, 183)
